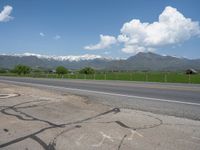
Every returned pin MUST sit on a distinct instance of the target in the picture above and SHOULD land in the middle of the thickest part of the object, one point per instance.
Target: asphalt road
(182, 100)
(40, 117)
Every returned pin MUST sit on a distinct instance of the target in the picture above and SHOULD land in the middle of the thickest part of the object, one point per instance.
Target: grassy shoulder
(89, 73)
(168, 77)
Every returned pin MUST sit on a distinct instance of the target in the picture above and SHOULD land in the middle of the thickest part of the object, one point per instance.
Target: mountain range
(142, 62)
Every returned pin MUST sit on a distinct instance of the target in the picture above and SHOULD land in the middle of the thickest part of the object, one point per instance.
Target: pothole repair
(4, 96)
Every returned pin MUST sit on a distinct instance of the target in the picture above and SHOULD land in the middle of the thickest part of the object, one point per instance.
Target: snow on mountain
(62, 58)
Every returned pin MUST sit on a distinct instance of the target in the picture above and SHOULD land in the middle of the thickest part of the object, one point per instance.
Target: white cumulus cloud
(42, 34)
(105, 42)
(171, 28)
(57, 37)
(5, 14)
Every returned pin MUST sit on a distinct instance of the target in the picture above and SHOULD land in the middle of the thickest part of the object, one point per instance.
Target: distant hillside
(152, 61)
(8, 61)
(140, 61)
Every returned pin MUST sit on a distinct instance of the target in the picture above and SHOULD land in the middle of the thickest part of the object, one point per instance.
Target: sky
(110, 28)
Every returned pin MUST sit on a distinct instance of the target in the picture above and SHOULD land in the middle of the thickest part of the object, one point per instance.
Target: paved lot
(35, 118)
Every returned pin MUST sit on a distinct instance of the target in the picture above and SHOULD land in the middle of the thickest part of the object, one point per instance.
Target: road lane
(177, 92)
(181, 100)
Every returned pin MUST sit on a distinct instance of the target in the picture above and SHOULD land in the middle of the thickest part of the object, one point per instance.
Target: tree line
(60, 70)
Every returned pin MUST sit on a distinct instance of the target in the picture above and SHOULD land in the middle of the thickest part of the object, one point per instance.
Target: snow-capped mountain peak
(63, 58)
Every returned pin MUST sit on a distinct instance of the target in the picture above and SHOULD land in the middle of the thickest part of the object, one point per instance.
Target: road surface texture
(56, 117)
(181, 100)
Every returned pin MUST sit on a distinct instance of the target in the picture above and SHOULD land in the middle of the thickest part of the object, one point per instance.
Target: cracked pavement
(45, 119)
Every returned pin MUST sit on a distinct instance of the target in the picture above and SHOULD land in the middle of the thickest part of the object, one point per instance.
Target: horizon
(79, 28)
(88, 56)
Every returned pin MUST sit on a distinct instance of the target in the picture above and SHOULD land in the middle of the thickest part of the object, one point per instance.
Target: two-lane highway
(173, 99)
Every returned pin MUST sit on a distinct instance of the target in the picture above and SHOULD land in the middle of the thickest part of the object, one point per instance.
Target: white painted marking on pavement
(133, 133)
(106, 93)
(104, 136)
(78, 142)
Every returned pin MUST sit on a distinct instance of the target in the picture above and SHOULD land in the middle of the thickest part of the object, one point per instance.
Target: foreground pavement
(34, 118)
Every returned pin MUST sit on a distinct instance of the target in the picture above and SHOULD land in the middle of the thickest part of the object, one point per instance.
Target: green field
(170, 77)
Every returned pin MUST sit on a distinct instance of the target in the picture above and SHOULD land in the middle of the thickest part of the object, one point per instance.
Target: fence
(134, 76)
(127, 76)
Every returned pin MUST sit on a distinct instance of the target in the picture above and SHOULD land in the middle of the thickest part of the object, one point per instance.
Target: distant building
(72, 73)
(191, 71)
(52, 71)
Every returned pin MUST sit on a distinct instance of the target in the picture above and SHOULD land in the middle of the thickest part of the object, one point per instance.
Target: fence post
(130, 76)
(105, 76)
(189, 78)
(146, 77)
(165, 77)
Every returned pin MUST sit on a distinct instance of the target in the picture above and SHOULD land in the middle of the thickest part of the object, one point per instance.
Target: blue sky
(73, 27)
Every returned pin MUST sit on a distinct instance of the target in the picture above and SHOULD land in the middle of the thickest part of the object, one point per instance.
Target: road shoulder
(53, 119)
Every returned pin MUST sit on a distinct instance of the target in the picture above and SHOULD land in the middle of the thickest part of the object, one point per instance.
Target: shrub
(22, 69)
(87, 70)
(3, 71)
(61, 70)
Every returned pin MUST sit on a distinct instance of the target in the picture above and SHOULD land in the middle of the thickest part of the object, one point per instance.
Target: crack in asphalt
(121, 142)
(32, 118)
(3, 107)
(41, 142)
(24, 137)
(52, 143)
(120, 123)
(33, 136)
(31, 106)
(176, 124)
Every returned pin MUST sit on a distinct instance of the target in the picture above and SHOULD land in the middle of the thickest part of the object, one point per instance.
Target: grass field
(170, 77)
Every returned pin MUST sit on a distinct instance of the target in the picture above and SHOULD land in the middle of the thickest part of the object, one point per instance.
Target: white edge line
(104, 93)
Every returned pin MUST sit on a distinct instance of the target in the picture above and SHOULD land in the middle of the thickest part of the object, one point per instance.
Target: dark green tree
(22, 69)
(87, 70)
(61, 70)
(3, 70)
